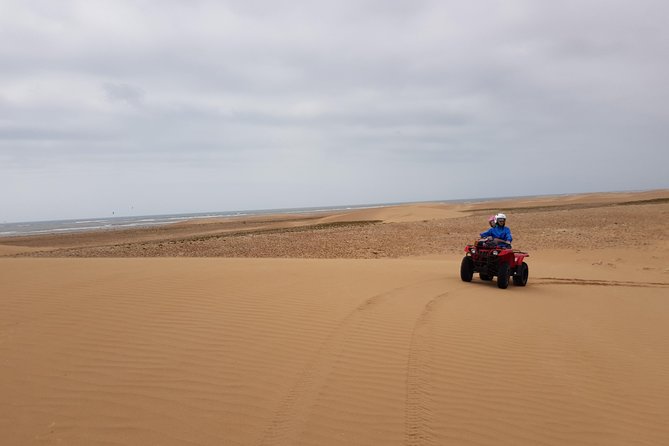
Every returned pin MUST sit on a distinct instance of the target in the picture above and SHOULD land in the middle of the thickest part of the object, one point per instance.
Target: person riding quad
(499, 234)
(491, 221)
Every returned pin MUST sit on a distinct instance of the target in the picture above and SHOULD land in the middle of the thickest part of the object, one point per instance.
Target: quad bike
(490, 260)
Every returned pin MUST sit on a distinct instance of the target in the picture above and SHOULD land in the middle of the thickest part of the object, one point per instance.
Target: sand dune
(288, 351)
(261, 351)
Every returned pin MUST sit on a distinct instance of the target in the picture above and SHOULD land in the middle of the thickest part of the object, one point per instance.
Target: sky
(151, 107)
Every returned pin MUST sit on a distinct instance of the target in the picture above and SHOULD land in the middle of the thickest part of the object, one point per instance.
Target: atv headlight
(473, 251)
(495, 252)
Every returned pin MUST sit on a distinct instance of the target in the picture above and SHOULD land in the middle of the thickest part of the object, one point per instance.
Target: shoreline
(66, 226)
(372, 232)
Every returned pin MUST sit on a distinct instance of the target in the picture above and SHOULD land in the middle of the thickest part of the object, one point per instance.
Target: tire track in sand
(589, 282)
(290, 418)
(419, 388)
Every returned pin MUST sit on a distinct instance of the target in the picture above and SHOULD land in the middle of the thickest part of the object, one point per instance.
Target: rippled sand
(327, 351)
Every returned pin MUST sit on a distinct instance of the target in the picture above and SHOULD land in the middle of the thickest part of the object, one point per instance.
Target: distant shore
(585, 221)
(88, 224)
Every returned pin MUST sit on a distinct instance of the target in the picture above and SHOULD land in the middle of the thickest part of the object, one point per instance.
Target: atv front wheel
(486, 277)
(520, 278)
(503, 276)
(467, 269)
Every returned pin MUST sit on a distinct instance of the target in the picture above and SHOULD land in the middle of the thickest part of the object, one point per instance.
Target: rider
(491, 221)
(499, 233)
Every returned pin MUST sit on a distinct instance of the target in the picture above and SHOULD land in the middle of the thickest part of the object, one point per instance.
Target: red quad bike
(490, 260)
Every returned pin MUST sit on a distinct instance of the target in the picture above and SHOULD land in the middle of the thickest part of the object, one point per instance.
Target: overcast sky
(149, 107)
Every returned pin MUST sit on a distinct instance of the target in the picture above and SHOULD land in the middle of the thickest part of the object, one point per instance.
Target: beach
(347, 327)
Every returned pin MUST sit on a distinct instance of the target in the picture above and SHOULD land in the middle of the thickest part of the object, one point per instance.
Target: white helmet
(500, 215)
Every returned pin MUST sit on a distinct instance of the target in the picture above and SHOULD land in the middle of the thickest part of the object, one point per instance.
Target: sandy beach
(342, 328)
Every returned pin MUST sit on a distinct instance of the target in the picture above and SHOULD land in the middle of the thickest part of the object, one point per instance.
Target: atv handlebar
(494, 241)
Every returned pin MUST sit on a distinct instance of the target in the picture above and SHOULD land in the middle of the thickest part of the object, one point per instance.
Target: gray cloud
(124, 93)
(247, 104)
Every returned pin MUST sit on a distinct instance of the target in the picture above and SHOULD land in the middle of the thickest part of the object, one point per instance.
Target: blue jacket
(498, 232)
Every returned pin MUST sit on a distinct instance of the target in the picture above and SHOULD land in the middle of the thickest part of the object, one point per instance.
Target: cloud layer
(180, 106)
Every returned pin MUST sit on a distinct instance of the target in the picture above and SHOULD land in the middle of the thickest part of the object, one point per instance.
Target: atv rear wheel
(486, 277)
(523, 272)
(503, 276)
(467, 269)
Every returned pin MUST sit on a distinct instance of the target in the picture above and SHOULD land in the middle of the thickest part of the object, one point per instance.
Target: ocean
(94, 224)
(111, 223)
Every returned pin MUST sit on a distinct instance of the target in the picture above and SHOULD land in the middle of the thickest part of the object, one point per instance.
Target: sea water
(110, 223)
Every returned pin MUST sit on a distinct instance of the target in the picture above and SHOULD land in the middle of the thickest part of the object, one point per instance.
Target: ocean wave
(68, 226)
(90, 221)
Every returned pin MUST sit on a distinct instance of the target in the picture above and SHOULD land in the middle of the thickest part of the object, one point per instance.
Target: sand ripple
(256, 351)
